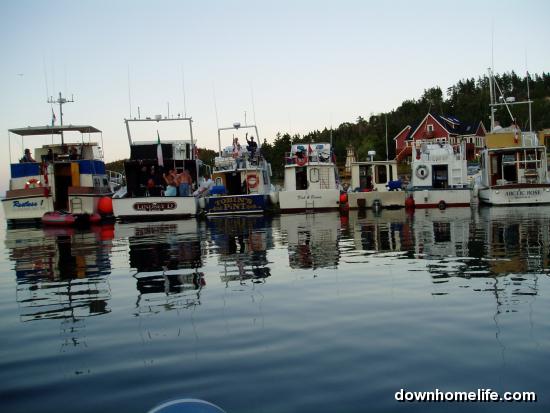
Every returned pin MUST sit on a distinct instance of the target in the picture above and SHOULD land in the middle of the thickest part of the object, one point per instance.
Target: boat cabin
(143, 167)
(241, 173)
(374, 176)
(310, 167)
(439, 166)
(513, 159)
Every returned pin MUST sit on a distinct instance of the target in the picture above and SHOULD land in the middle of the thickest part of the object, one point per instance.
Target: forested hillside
(468, 100)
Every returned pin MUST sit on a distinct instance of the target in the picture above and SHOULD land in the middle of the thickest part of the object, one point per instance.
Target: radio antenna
(61, 101)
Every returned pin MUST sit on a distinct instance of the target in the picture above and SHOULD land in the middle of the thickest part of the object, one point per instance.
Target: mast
(61, 101)
(491, 99)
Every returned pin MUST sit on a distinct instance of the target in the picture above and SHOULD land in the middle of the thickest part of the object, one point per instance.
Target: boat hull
(27, 208)
(442, 198)
(237, 204)
(302, 200)
(515, 195)
(387, 199)
(154, 207)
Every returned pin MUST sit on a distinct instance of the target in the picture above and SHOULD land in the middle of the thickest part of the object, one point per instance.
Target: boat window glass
(440, 176)
(381, 174)
(314, 175)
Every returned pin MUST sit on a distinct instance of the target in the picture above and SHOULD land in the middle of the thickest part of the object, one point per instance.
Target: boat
(145, 195)
(241, 179)
(513, 164)
(311, 179)
(375, 184)
(439, 176)
(61, 177)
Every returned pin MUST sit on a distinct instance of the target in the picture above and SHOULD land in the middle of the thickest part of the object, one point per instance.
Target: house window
(430, 127)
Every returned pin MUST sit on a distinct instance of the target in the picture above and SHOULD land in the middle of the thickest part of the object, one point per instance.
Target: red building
(444, 129)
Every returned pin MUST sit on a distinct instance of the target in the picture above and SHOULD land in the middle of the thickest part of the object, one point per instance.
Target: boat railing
(314, 157)
(116, 180)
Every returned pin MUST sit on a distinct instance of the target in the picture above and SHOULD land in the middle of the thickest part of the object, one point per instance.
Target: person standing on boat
(73, 153)
(252, 146)
(27, 156)
(184, 182)
(170, 180)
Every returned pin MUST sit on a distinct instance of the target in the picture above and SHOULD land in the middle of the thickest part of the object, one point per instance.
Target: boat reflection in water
(166, 257)
(382, 233)
(61, 272)
(242, 243)
(312, 239)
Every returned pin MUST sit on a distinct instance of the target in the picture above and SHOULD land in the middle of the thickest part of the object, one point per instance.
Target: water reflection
(242, 244)
(312, 239)
(159, 252)
(61, 272)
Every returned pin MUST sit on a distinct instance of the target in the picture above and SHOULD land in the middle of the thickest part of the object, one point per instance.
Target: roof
(53, 130)
(450, 123)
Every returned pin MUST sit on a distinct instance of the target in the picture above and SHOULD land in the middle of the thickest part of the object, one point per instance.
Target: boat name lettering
(523, 193)
(302, 197)
(155, 206)
(233, 204)
(25, 204)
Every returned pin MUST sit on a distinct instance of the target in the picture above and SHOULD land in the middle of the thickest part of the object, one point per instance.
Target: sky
(291, 66)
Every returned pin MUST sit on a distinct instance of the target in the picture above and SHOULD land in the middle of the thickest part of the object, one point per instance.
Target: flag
(53, 117)
(160, 160)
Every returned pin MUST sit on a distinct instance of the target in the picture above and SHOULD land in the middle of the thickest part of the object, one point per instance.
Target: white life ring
(421, 171)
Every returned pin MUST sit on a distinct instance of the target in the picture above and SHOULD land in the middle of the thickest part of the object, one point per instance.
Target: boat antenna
(183, 90)
(129, 93)
(253, 107)
(528, 94)
(217, 120)
(387, 154)
(61, 101)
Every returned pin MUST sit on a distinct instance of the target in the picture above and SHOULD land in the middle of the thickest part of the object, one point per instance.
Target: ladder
(324, 178)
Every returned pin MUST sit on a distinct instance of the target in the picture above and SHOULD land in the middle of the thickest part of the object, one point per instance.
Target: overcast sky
(307, 64)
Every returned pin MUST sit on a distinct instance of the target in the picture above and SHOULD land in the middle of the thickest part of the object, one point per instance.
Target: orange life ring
(33, 183)
(252, 181)
(301, 161)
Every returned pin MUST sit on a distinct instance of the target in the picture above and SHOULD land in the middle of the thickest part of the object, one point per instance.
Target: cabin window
(314, 175)
(440, 176)
(381, 174)
(365, 178)
(430, 127)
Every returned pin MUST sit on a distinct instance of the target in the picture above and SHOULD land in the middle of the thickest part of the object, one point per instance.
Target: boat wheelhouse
(69, 178)
(513, 163)
(375, 183)
(311, 179)
(439, 176)
(241, 178)
(146, 195)
(513, 170)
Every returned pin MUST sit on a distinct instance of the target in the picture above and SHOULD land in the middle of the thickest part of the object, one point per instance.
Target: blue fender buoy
(187, 406)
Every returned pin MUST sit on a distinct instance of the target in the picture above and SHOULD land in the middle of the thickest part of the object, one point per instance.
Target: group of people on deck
(170, 183)
(238, 151)
(177, 184)
(68, 153)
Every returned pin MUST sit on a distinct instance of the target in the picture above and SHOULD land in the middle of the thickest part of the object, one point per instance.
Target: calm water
(298, 313)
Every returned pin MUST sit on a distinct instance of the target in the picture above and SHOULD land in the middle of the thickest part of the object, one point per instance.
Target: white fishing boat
(311, 179)
(513, 163)
(241, 178)
(439, 176)
(146, 195)
(375, 184)
(60, 182)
